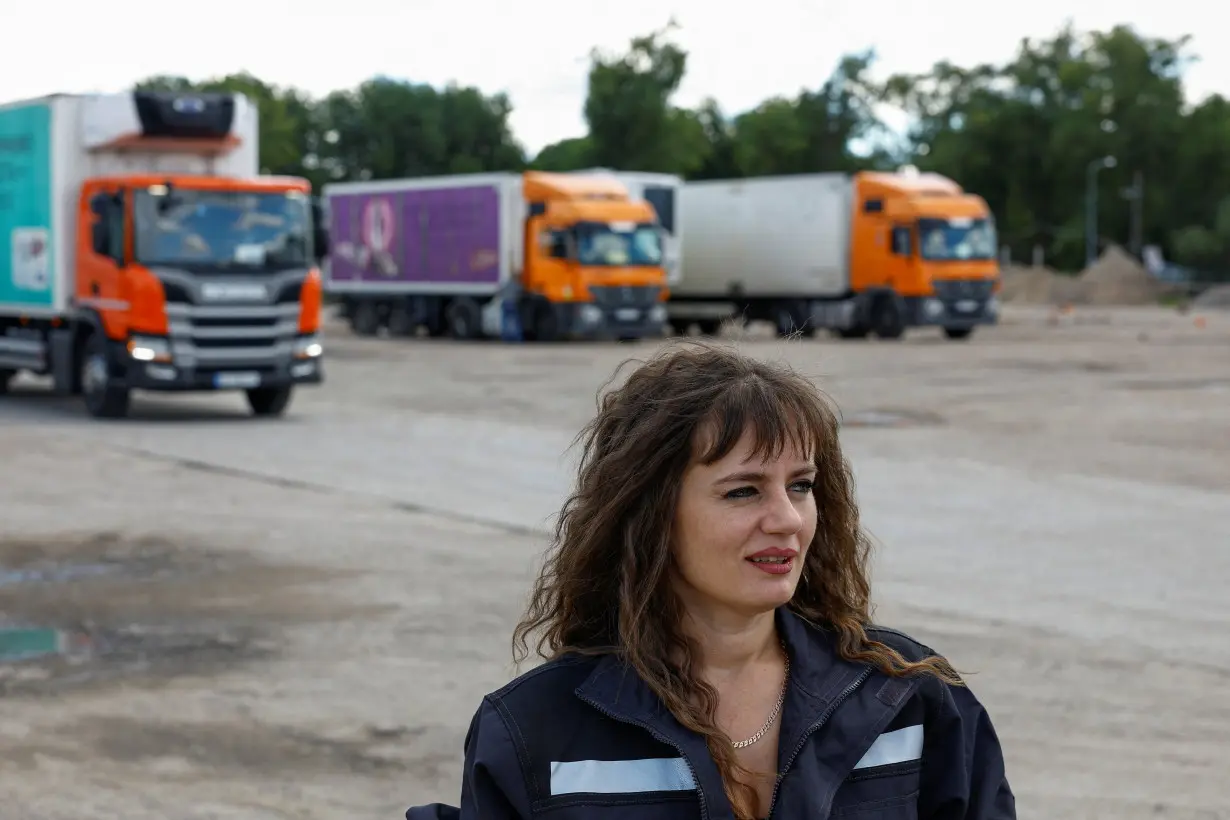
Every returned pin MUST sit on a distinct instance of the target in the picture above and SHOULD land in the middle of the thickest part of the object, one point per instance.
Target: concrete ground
(297, 618)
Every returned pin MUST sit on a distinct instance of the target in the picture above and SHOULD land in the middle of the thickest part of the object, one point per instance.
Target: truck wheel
(365, 319)
(886, 318)
(6, 376)
(680, 326)
(543, 324)
(709, 327)
(464, 318)
(269, 401)
(103, 398)
(957, 333)
(790, 318)
(401, 323)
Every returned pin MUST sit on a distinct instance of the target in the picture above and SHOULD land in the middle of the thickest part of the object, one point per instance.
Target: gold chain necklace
(781, 698)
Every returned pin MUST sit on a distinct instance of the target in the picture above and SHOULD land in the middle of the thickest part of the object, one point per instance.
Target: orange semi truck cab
(940, 258)
(146, 252)
(537, 255)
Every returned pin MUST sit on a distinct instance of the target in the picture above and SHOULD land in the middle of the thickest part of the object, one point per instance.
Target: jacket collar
(820, 680)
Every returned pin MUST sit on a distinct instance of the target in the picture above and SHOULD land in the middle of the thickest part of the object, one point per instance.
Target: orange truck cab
(536, 256)
(146, 253)
(868, 253)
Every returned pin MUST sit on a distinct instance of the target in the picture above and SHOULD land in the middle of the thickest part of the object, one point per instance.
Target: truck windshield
(226, 230)
(602, 244)
(956, 239)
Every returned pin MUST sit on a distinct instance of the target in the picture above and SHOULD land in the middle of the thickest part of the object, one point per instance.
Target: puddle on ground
(891, 418)
(87, 609)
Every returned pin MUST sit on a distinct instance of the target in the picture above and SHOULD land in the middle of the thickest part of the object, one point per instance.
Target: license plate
(967, 305)
(627, 314)
(241, 378)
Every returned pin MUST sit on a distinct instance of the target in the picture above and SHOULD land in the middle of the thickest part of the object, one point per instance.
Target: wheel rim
(94, 376)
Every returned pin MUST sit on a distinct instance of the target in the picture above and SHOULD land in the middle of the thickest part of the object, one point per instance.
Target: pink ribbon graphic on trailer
(379, 230)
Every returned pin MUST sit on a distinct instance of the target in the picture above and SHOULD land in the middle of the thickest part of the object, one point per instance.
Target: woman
(705, 616)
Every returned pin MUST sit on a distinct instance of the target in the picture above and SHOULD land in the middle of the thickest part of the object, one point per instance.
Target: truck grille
(219, 334)
(950, 290)
(637, 296)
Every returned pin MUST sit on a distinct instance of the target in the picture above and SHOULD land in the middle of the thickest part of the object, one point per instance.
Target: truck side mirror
(320, 231)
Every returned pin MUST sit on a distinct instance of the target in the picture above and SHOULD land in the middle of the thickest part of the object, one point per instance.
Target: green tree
(632, 123)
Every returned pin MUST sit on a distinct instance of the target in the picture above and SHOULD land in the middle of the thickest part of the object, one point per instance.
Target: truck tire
(543, 324)
(401, 322)
(887, 320)
(365, 319)
(269, 401)
(464, 319)
(681, 326)
(709, 327)
(103, 398)
(958, 333)
(6, 376)
(790, 318)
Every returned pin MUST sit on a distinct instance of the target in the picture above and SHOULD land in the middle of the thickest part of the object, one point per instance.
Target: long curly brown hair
(605, 586)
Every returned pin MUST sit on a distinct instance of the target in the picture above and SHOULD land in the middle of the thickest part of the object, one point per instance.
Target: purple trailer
(439, 239)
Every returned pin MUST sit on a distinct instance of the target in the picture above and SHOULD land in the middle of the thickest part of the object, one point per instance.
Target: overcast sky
(739, 52)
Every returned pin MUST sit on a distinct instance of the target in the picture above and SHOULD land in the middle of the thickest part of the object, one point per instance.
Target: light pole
(1091, 206)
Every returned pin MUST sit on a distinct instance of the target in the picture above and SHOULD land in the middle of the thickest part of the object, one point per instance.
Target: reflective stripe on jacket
(586, 739)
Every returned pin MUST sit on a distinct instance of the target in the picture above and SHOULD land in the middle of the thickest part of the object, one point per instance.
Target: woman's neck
(730, 643)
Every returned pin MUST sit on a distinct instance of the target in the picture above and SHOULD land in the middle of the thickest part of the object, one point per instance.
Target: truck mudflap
(133, 373)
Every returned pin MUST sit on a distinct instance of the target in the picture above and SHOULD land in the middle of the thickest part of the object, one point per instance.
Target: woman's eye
(741, 492)
(804, 486)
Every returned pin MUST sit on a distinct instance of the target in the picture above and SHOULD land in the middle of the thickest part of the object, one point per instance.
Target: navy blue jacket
(586, 739)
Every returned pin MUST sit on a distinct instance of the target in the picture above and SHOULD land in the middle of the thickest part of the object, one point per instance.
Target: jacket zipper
(700, 793)
(828, 713)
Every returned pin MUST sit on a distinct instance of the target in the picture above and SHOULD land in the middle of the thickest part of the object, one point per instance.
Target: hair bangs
(776, 418)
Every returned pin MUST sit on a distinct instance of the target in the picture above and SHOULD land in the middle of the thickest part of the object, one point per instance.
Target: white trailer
(835, 251)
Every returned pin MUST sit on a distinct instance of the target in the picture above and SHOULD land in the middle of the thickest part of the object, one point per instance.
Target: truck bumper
(953, 313)
(957, 303)
(617, 313)
(588, 322)
(172, 377)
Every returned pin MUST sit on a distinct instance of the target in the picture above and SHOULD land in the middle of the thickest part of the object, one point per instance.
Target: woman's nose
(781, 517)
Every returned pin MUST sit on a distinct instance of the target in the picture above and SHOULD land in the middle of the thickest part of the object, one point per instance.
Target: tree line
(1027, 134)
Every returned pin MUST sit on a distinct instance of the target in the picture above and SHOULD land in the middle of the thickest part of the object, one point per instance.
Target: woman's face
(742, 529)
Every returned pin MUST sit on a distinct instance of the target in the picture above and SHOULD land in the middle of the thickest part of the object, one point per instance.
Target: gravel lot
(297, 618)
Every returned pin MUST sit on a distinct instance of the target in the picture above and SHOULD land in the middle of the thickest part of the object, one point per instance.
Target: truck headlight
(149, 349)
(308, 347)
(933, 308)
(591, 314)
(657, 313)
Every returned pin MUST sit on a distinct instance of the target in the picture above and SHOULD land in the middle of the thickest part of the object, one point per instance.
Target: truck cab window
(557, 245)
(107, 232)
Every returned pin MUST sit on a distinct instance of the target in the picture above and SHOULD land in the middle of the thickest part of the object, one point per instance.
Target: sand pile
(1117, 278)
(1215, 298)
(1038, 285)
(1026, 285)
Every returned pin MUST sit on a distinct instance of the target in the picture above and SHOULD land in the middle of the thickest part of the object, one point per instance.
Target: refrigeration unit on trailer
(139, 249)
(536, 255)
(854, 254)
